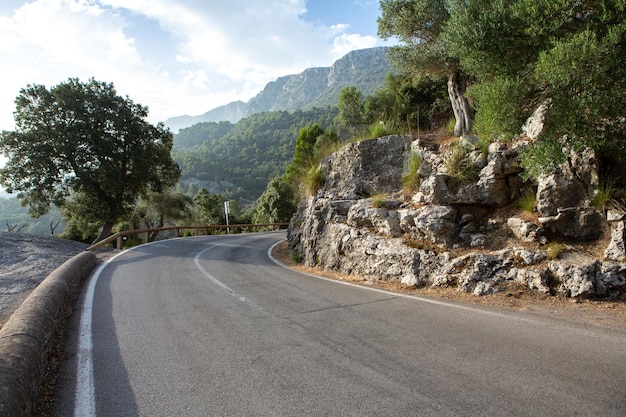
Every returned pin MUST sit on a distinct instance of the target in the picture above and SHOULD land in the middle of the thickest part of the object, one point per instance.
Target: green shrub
(459, 167)
(313, 180)
(379, 130)
(411, 180)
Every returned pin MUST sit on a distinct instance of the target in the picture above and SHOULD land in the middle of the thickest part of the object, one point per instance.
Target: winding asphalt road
(210, 326)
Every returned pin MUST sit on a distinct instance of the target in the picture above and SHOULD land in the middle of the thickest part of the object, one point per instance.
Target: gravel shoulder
(25, 261)
(610, 315)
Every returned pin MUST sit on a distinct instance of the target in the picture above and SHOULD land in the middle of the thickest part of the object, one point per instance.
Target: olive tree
(565, 54)
(420, 27)
(83, 141)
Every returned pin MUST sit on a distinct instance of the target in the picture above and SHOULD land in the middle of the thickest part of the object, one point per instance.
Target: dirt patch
(606, 314)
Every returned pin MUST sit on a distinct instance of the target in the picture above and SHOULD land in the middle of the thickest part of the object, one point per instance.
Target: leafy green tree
(420, 27)
(81, 144)
(276, 204)
(156, 209)
(567, 54)
(406, 104)
(351, 110)
(210, 208)
(305, 151)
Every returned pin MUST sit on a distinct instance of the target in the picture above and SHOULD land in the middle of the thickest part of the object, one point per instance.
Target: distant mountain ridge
(314, 87)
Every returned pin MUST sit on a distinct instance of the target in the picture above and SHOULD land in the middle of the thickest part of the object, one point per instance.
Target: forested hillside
(237, 160)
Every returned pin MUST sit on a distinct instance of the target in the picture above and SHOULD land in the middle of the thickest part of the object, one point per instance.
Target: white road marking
(85, 395)
(85, 398)
(218, 282)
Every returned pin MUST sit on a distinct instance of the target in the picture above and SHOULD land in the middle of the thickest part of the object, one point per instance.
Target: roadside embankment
(27, 337)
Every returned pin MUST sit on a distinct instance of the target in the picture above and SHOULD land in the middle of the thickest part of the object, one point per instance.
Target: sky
(175, 56)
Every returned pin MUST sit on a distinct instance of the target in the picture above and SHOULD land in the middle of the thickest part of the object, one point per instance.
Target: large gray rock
(368, 167)
(616, 250)
(385, 222)
(470, 272)
(577, 275)
(578, 223)
(535, 279)
(493, 188)
(436, 224)
(573, 184)
(611, 279)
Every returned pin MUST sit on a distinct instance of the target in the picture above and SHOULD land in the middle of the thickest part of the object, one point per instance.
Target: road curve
(210, 326)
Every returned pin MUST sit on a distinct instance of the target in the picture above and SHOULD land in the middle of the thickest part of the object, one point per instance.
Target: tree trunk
(107, 230)
(463, 113)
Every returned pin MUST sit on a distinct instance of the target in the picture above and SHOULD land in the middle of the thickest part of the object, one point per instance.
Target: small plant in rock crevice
(313, 180)
(459, 166)
(411, 179)
(555, 249)
(379, 200)
(527, 201)
(609, 196)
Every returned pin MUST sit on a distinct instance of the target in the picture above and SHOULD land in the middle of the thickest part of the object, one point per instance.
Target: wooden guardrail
(119, 236)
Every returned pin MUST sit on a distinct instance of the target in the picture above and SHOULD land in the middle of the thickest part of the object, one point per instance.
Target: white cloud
(209, 52)
(346, 43)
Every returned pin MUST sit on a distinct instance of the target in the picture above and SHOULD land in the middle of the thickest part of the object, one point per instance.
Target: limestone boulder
(579, 223)
(611, 279)
(477, 273)
(616, 249)
(435, 224)
(576, 275)
(523, 230)
(364, 168)
(573, 184)
(494, 186)
(535, 279)
(383, 221)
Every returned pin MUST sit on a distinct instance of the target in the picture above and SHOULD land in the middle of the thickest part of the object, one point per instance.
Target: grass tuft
(379, 200)
(554, 250)
(411, 179)
(313, 180)
(527, 201)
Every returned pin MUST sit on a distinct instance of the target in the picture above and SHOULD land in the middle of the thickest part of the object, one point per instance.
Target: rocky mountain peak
(314, 87)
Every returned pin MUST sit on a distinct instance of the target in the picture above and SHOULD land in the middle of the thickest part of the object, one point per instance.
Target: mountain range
(364, 69)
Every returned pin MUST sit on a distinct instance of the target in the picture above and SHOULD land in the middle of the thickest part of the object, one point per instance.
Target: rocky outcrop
(450, 232)
(364, 69)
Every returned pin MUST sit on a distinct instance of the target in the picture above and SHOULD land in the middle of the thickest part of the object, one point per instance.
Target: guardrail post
(120, 242)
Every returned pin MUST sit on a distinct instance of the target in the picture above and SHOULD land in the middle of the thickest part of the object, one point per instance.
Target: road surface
(210, 326)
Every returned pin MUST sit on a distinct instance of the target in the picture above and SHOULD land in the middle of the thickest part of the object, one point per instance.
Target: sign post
(226, 212)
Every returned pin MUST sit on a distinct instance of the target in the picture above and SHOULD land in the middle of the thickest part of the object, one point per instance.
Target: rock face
(449, 233)
(365, 69)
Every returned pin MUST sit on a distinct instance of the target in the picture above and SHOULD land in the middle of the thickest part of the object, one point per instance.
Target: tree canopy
(420, 26)
(568, 54)
(565, 54)
(82, 144)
